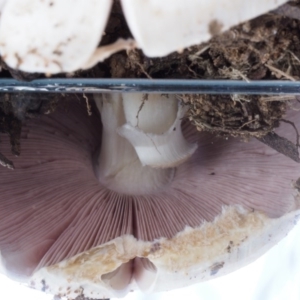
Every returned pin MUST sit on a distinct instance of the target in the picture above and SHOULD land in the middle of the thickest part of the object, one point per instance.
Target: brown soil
(235, 115)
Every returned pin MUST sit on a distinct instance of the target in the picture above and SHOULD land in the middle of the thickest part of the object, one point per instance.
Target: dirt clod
(235, 115)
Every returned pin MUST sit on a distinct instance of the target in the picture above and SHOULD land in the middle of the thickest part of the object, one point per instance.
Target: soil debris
(245, 117)
(80, 297)
(234, 115)
(16, 108)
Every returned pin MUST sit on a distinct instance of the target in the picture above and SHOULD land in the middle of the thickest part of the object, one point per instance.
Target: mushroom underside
(58, 224)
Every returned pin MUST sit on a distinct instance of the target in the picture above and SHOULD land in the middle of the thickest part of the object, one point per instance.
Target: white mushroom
(54, 36)
(161, 27)
(79, 220)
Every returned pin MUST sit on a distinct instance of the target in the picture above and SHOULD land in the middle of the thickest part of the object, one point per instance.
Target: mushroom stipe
(72, 224)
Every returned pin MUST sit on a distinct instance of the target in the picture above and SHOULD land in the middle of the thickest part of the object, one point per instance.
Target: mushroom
(176, 25)
(91, 214)
(57, 36)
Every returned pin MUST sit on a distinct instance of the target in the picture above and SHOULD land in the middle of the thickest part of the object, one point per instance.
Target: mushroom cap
(61, 231)
(62, 36)
(161, 27)
(51, 36)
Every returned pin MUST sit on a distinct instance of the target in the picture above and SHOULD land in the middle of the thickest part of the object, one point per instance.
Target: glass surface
(57, 85)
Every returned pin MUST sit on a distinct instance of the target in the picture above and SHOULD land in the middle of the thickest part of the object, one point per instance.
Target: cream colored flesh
(236, 238)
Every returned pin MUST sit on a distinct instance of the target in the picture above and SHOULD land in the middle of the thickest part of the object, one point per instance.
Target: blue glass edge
(176, 86)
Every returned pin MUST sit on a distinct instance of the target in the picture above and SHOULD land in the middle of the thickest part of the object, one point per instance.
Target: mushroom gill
(87, 213)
